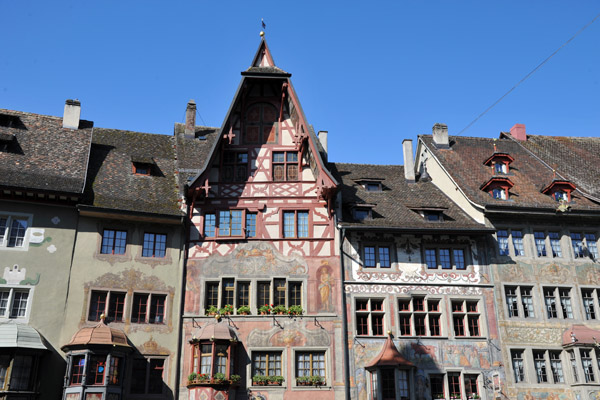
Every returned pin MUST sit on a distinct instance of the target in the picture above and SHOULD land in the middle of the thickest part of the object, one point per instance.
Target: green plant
(259, 379)
(280, 309)
(278, 379)
(203, 377)
(219, 376)
(228, 309)
(243, 310)
(212, 310)
(303, 379)
(295, 310)
(316, 380)
(266, 309)
(235, 378)
(192, 377)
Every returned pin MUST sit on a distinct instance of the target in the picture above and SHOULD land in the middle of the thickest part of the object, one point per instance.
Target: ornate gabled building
(421, 311)
(262, 254)
(540, 195)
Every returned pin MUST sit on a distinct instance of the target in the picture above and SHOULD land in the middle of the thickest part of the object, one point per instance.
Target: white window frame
(585, 248)
(520, 305)
(560, 314)
(511, 244)
(595, 302)
(9, 218)
(11, 290)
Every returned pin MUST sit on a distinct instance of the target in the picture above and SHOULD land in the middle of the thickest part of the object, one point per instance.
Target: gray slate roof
(192, 154)
(111, 182)
(393, 206)
(43, 155)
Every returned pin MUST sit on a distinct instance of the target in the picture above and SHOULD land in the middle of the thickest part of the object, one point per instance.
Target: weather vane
(264, 26)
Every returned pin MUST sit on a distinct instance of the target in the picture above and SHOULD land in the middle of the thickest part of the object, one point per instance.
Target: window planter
(261, 380)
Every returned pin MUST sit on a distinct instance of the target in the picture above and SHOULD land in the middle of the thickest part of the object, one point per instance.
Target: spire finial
(264, 26)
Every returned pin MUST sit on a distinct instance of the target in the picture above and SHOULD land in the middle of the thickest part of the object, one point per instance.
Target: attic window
(11, 121)
(362, 212)
(499, 162)
(498, 188)
(140, 168)
(431, 214)
(373, 187)
(559, 190)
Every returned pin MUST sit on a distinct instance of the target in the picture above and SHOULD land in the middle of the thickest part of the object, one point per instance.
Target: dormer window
(142, 165)
(373, 187)
(362, 212)
(499, 162)
(431, 214)
(498, 187)
(370, 184)
(559, 190)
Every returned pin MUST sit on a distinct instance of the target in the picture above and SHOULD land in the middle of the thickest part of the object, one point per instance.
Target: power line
(527, 76)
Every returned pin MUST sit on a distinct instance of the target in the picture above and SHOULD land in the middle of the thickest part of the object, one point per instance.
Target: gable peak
(263, 57)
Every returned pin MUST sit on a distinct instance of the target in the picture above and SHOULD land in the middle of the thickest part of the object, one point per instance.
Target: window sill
(311, 387)
(422, 337)
(482, 338)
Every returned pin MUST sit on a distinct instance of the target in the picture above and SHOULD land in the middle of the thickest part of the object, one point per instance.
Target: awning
(15, 335)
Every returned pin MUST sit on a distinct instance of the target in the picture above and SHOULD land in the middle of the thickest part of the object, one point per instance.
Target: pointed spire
(263, 57)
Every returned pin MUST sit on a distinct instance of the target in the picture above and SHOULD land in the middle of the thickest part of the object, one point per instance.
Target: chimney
(190, 120)
(409, 163)
(72, 114)
(518, 132)
(323, 139)
(440, 136)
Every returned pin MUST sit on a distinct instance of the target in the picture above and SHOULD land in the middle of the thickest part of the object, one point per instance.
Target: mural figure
(325, 288)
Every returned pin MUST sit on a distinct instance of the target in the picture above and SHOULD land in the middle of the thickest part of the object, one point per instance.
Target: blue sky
(371, 73)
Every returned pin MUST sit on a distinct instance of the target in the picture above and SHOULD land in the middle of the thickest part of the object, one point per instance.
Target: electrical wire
(527, 76)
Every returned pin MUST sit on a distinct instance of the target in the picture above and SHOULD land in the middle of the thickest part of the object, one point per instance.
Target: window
(465, 317)
(267, 363)
(155, 245)
(372, 186)
(369, 317)
(260, 124)
(471, 387)
(555, 244)
(13, 302)
(230, 223)
(113, 242)
(586, 362)
(236, 293)
(377, 256)
(517, 364)
(111, 304)
(212, 357)
(446, 258)
(454, 385)
(502, 236)
(584, 245)
(295, 224)
(114, 371)
(419, 316)
(517, 238)
(77, 370)
(148, 308)
(500, 168)
(554, 296)
(210, 224)
(310, 364)
(142, 168)
(97, 365)
(573, 365)
(499, 193)
(437, 386)
(250, 225)
(285, 166)
(519, 300)
(147, 376)
(235, 167)
(540, 243)
(540, 366)
(13, 231)
(361, 213)
(590, 298)
(558, 375)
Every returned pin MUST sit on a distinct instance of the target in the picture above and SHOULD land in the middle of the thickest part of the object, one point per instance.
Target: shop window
(558, 296)
(147, 376)
(235, 167)
(155, 245)
(375, 256)
(13, 231)
(148, 308)
(113, 241)
(109, 303)
(14, 302)
(419, 316)
(445, 258)
(519, 300)
(295, 224)
(369, 317)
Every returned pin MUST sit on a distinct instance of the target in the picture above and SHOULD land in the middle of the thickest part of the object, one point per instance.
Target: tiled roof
(111, 182)
(464, 161)
(43, 155)
(192, 154)
(575, 158)
(394, 206)
(265, 70)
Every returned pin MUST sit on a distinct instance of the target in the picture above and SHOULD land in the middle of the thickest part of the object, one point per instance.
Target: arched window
(261, 124)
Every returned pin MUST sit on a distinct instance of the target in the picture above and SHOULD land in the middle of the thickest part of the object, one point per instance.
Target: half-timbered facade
(263, 266)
